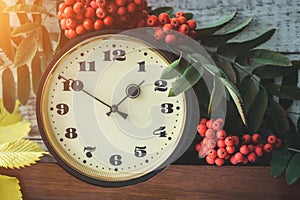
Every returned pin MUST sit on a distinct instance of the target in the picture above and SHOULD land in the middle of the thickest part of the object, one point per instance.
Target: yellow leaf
(13, 132)
(20, 153)
(9, 188)
(7, 118)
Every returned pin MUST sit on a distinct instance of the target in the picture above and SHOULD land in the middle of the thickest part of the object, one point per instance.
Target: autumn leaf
(14, 132)
(7, 118)
(19, 154)
(9, 188)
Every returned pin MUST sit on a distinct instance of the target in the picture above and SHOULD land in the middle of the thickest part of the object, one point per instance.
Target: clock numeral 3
(140, 151)
(161, 132)
(115, 160)
(167, 108)
(71, 133)
(161, 86)
(118, 55)
(62, 109)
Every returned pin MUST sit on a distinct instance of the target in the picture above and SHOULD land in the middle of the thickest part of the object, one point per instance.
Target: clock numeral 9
(161, 132)
(167, 108)
(118, 55)
(161, 86)
(115, 160)
(140, 151)
(62, 109)
(71, 133)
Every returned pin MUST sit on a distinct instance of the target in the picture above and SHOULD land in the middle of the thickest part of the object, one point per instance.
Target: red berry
(112, 7)
(60, 15)
(101, 13)
(259, 151)
(141, 23)
(63, 24)
(175, 23)
(245, 161)
(236, 140)
(170, 39)
(251, 147)
(239, 157)
(210, 133)
(108, 20)
(152, 21)
(209, 123)
(122, 10)
(221, 134)
(193, 34)
(62, 7)
(211, 143)
(201, 128)
(212, 153)
(68, 12)
(70, 2)
(89, 12)
(138, 2)
(98, 24)
(179, 14)
(78, 7)
(71, 23)
(268, 148)
(87, 24)
(228, 141)
(252, 157)
(192, 24)
(121, 2)
(272, 139)
(210, 160)
(256, 138)
(71, 33)
(131, 7)
(160, 35)
(167, 28)
(246, 139)
(233, 160)
(80, 17)
(203, 121)
(278, 143)
(203, 151)
(230, 149)
(164, 18)
(221, 143)
(218, 123)
(221, 152)
(184, 29)
(101, 3)
(219, 161)
(80, 29)
(197, 147)
(244, 149)
(182, 20)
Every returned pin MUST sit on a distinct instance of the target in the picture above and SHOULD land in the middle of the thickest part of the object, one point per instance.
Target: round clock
(105, 115)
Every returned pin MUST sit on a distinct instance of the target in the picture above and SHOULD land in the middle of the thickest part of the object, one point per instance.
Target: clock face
(105, 114)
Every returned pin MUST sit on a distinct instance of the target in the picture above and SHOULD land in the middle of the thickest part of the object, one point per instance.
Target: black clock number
(115, 160)
(167, 108)
(87, 66)
(89, 151)
(71, 133)
(118, 55)
(70, 84)
(62, 109)
(142, 66)
(140, 151)
(161, 131)
(160, 85)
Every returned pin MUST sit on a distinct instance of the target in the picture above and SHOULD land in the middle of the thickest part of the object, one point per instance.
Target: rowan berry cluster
(80, 16)
(166, 26)
(217, 147)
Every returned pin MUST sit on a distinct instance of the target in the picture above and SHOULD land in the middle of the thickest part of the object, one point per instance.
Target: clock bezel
(192, 118)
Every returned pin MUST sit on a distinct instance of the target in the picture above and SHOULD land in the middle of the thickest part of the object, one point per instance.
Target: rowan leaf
(176, 68)
(25, 29)
(248, 91)
(7, 118)
(36, 73)
(271, 71)
(14, 132)
(159, 10)
(284, 91)
(8, 90)
(10, 188)
(19, 153)
(292, 172)
(26, 50)
(23, 84)
(278, 116)
(26, 8)
(279, 161)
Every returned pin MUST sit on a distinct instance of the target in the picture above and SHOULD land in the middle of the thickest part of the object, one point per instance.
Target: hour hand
(114, 108)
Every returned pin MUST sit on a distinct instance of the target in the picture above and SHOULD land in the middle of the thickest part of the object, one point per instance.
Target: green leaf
(7, 118)
(263, 56)
(278, 116)
(271, 71)
(26, 50)
(218, 39)
(25, 29)
(236, 97)
(176, 68)
(257, 111)
(292, 80)
(159, 10)
(238, 47)
(284, 92)
(227, 68)
(279, 161)
(217, 96)
(199, 58)
(26, 8)
(5, 42)
(20, 153)
(189, 78)
(188, 15)
(10, 188)
(292, 172)
(298, 125)
(14, 132)
(248, 91)
(214, 27)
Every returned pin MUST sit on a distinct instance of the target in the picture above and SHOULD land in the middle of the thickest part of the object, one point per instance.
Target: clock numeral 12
(83, 66)
(118, 55)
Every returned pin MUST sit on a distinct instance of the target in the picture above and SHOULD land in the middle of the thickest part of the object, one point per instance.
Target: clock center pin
(133, 91)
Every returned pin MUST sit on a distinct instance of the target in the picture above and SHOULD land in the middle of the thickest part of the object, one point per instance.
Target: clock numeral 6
(71, 133)
(161, 86)
(140, 151)
(62, 109)
(167, 108)
(115, 160)
(118, 55)
(161, 132)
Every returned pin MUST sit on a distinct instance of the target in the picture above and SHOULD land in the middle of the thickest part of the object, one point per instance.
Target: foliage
(262, 85)
(27, 47)
(10, 188)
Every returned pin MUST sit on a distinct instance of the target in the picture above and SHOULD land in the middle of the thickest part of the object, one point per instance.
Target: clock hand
(132, 91)
(112, 108)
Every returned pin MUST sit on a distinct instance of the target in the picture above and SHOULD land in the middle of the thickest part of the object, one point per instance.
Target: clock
(105, 115)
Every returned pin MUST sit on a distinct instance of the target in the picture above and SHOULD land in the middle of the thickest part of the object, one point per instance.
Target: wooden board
(49, 181)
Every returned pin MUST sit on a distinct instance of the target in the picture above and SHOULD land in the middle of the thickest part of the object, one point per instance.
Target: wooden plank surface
(49, 181)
